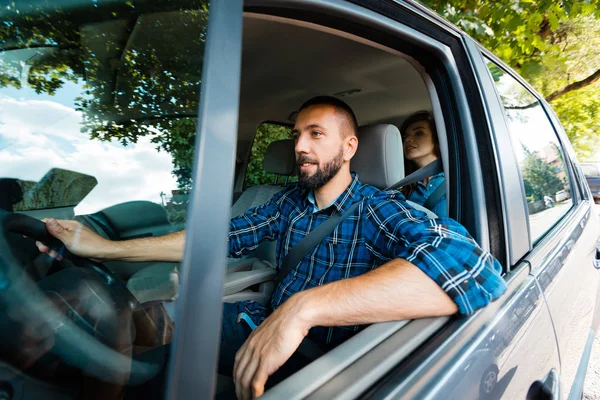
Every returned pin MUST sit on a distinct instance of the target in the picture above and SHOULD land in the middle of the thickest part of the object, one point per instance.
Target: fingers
(250, 372)
(45, 249)
(42, 247)
(245, 379)
(259, 382)
(56, 229)
(242, 358)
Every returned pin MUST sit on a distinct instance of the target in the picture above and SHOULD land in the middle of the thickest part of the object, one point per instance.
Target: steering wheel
(77, 342)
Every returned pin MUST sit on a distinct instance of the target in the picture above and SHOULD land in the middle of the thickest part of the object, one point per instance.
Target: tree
(135, 82)
(265, 135)
(539, 177)
(554, 45)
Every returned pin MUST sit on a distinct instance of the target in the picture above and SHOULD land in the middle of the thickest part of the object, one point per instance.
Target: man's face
(319, 146)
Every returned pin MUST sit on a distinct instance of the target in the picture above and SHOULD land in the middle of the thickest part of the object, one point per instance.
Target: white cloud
(40, 135)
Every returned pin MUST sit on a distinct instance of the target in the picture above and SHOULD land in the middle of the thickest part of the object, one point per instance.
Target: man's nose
(302, 144)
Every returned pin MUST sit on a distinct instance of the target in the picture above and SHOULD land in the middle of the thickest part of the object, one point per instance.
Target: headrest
(379, 160)
(280, 158)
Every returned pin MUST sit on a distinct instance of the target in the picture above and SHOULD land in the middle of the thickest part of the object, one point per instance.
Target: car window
(265, 135)
(98, 114)
(103, 111)
(538, 152)
(591, 170)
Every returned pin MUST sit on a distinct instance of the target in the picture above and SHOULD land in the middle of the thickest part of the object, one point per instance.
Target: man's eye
(295, 136)
(316, 133)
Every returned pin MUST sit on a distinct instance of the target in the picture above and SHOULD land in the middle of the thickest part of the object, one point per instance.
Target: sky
(40, 132)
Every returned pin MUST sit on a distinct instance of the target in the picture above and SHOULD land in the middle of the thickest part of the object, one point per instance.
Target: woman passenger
(421, 147)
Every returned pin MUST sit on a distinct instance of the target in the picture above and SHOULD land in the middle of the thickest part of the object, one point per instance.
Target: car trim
(195, 348)
(367, 370)
(328, 366)
(515, 246)
(577, 388)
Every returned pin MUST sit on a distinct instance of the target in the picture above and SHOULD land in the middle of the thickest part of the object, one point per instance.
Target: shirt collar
(343, 201)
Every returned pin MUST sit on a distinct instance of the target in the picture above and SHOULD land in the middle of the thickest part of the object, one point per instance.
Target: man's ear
(350, 147)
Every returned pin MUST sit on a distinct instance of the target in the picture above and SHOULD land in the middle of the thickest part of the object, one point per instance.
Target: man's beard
(321, 176)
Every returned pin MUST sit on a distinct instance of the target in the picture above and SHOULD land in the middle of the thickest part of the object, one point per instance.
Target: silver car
(140, 118)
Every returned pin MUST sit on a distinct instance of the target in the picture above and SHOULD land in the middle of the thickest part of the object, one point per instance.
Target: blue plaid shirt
(384, 227)
(421, 193)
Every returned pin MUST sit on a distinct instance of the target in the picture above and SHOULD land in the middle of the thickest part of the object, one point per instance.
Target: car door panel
(563, 265)
(512, 339)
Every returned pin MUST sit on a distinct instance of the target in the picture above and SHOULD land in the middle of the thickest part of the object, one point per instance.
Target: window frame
(552, 120)
(194, 351)
(384, 27)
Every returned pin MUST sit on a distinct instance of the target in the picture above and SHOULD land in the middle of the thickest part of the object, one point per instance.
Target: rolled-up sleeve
(442, 248)
(261, 223)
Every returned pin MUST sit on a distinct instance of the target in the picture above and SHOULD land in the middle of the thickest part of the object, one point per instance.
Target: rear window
(266, 134)
(591, 170)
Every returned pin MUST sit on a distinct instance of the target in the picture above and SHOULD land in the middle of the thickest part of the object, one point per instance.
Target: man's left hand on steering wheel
(77, 238)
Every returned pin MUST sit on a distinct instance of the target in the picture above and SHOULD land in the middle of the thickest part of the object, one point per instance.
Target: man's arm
(84, 242)
(245, 234)
(397, 290)
(437, 269)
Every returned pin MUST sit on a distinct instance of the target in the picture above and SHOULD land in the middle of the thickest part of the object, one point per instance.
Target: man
(384, 262)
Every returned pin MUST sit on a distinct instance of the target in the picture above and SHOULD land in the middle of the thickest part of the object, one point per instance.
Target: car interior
(285, 62)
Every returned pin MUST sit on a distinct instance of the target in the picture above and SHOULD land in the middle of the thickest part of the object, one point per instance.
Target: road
(591, 389)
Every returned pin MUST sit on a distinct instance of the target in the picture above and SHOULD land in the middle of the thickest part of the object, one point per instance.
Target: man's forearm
(397, 290)
(160, 248)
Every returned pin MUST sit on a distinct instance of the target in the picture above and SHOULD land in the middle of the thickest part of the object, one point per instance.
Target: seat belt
(301, 249)
(307, 347)
(431, 169)
(435, 196)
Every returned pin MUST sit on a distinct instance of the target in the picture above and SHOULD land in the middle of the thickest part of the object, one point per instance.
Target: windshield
(113, 97)
(98, 104)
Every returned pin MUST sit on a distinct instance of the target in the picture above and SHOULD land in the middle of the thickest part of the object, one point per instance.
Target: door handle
(597, 259)
(548, 389)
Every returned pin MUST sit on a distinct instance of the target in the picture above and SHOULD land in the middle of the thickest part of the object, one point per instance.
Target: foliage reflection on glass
(139, 63)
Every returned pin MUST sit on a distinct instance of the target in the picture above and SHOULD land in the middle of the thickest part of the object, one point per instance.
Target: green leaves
(551, 44)
(265, 135)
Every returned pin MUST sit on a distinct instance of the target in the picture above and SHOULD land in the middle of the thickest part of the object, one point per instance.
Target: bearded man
(385, 261)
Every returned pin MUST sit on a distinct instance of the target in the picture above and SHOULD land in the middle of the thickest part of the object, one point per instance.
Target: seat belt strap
(300, 250)
(431, 169)
(435, 196)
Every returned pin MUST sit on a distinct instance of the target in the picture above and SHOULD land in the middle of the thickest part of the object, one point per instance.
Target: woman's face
(418, 142)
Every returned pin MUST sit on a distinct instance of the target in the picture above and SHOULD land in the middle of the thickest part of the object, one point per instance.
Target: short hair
(341, 108)
(418, 117)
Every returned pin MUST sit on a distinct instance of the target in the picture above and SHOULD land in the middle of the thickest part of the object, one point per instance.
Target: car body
(592, 176)
(74, 74)
(562, 195)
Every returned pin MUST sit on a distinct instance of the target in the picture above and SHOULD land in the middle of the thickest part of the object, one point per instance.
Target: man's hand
(78, 238)
(268, 348)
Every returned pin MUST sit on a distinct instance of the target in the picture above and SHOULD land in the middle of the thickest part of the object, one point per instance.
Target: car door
(517, 342)
(74, 76)
(563, 234)
(501, 350)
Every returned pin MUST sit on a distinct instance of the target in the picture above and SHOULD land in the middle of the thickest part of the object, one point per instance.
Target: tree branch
(574, 86)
